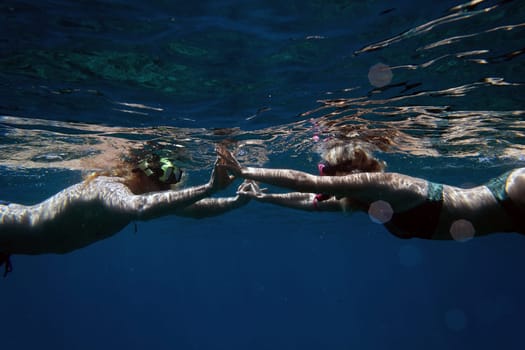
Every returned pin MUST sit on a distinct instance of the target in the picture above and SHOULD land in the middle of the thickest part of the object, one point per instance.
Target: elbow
(138, 209)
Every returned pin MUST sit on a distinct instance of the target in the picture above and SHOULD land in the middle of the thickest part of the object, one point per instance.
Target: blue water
(270, 77)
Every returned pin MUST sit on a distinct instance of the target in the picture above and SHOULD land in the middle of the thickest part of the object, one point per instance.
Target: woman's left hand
(250, 189)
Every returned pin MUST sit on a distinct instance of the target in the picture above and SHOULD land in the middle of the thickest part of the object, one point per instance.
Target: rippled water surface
(436, 88)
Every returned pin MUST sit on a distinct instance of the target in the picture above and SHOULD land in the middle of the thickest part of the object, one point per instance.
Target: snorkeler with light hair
(351, 179)
(106, 202)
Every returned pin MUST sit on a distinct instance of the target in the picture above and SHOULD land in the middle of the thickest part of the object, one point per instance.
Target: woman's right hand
(220, 179)
(227, 161)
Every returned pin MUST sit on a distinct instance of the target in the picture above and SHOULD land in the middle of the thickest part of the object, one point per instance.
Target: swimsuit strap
(422, 220)
(497, 186)
(498, 189)
(434, 192)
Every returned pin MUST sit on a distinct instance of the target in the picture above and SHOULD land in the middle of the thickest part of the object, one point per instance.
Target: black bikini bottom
(420, 222)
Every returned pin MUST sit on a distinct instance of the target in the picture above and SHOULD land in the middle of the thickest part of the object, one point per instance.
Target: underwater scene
(433, 89)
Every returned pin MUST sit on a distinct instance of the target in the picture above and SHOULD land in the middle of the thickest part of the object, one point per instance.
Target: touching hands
(250, 189)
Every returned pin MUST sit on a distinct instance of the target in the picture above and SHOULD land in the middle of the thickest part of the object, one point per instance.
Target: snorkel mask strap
(170, 173)
(321, 167)
(320, 197)
(144, 166)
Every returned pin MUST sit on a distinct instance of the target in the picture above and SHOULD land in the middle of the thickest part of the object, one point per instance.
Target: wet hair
(344, 159)
(126, 168)
(350, 158)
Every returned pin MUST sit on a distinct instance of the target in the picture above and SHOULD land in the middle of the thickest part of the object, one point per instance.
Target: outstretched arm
(296, 200)
(88, 212)
(476, 205)
(152, 205)
(401, 191)
(209, 207)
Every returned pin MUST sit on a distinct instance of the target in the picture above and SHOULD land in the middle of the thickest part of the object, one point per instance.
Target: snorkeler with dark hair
(352, 179)
(101, 206)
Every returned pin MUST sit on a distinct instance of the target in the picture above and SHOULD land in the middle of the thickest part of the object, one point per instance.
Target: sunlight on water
(462, 102)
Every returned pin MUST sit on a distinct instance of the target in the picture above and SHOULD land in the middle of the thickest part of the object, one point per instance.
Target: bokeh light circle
(462, 230)
(380, 75)
(380, 212)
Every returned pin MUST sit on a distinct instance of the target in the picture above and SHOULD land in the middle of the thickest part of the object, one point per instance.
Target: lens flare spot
(462, 230)
(380, 75)
(380, 212)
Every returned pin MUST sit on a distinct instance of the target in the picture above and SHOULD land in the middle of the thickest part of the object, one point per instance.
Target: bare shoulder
(101, 187)
(102, 184)
(86, 191)
(105, 181)
(516, 186)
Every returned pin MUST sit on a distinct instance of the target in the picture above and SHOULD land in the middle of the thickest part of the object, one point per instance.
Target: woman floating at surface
(351, 178)
(101, 206)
